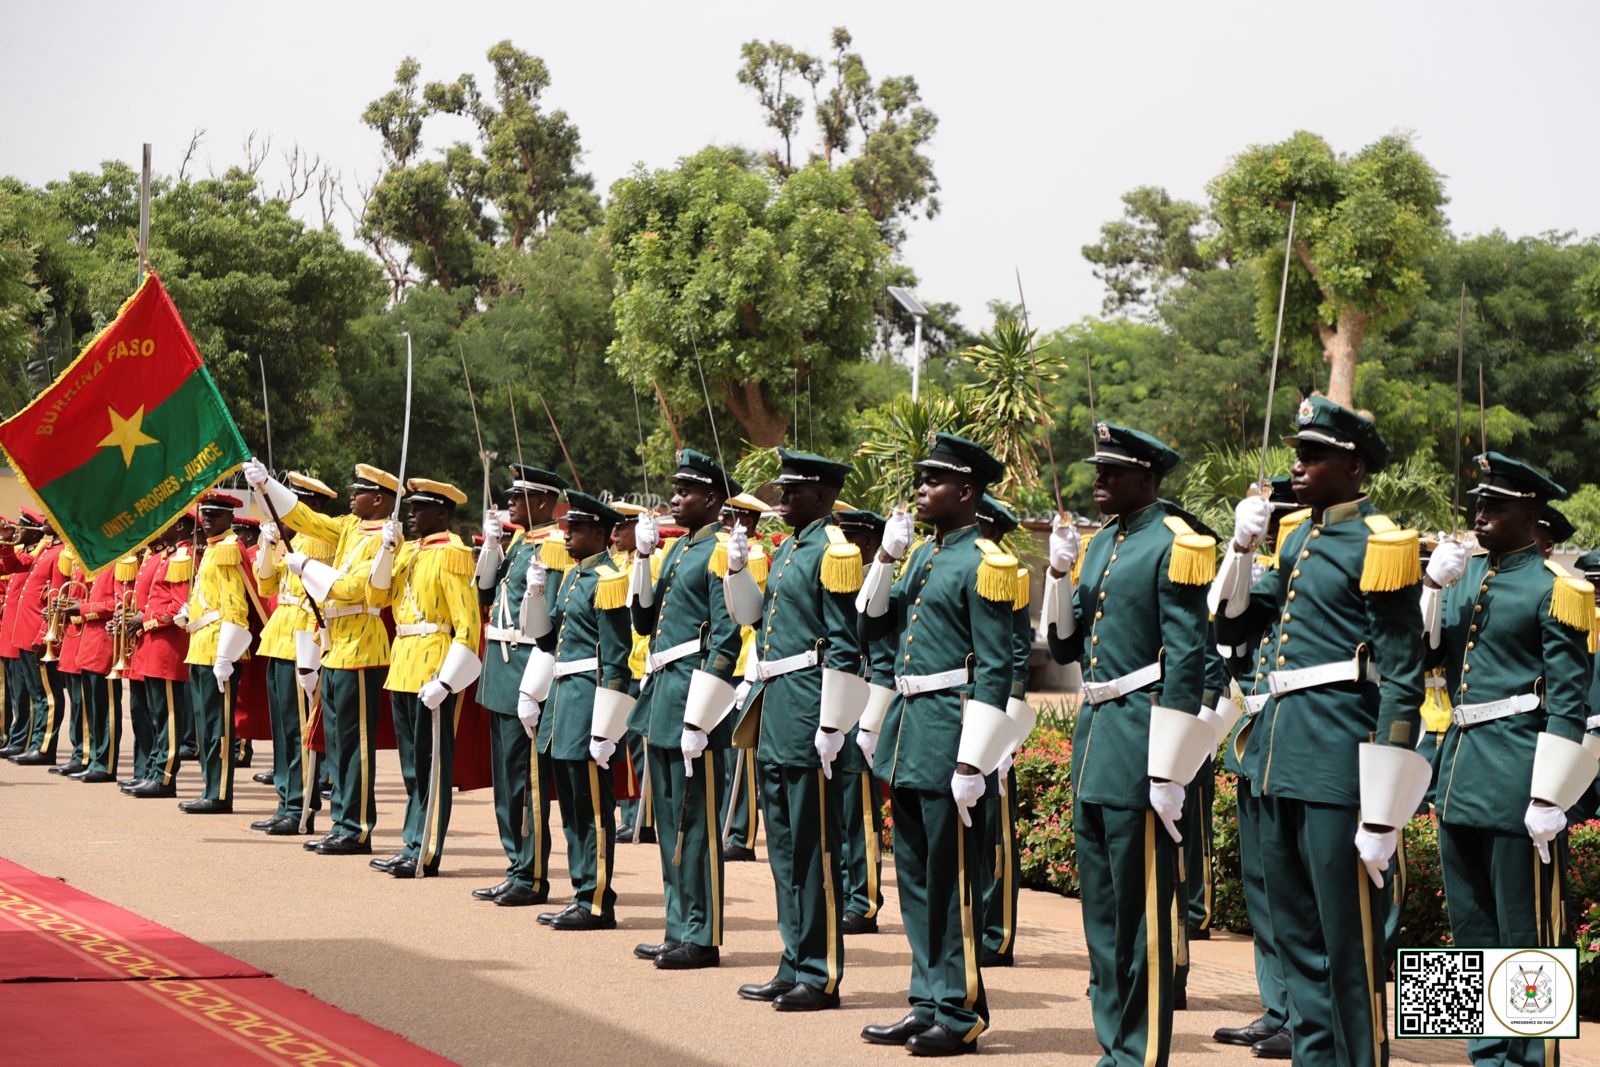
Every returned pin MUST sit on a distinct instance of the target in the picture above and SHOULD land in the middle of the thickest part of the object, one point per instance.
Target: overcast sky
(1047, 112)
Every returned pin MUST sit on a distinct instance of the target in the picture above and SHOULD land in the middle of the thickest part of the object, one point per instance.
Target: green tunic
(580, 629)
(504, 662)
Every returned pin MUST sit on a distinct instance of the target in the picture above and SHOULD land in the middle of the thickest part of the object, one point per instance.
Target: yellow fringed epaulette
(314, 548)
(1572, 600)
(457, 558)
(180, 568)
(1083, 550)
(1194, 555)
(226, 553)
(1020, 603)
(760, 564)
(1394, 558)
(65, 562)
(718, 563)
(554, 555)
(611, 591)
(997, 574)
(1286, 526)
(841, 569)
(127, 569)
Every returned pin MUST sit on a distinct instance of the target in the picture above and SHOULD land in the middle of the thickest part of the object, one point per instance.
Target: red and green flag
(128, 436)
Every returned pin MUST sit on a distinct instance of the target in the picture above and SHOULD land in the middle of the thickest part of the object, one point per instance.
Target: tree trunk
(1340, 346)
(763, 427)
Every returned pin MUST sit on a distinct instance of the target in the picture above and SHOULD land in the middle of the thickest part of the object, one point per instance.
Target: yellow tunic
(293, 611)
(356, 634)
(431, 585)
(219, 586)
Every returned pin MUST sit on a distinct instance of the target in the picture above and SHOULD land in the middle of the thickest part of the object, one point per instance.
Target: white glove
(308, 681)
(391, 535)
(601, 751)
(1375, 850)
(1166, 798)
(1448, 562)
(968, 790)
(181, 619)
(493, 528)
(538, 577)
(256, 473)
(646, 534)
(296, 562)
(223, 670)
(738, 549)
(1251, 517)
(693, 744)
(897, 534)
(269, 536)
(433, 693)
(828, 746)
(1544, 822)
(1065, 543)
(528, 712)
(1006, 763)
(867, 742)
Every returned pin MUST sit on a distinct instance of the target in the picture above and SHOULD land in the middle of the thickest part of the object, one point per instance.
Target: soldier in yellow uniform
(353, 665)
(294, 662)
(741, 792)
(217, 617)
(428, 585)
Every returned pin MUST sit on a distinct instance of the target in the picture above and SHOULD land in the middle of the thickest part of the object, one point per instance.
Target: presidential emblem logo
(1307, 412)
(1532, 991)
(1103, 433)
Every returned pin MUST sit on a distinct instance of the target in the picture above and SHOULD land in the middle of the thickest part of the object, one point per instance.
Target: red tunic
(27, 621)
(94, 640)
(161, 651)
(11, 586)
(252, 721)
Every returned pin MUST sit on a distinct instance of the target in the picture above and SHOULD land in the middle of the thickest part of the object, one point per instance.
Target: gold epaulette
(457, 558)
(841, 569)
(718, 563)
(65, 561)
(1021, 601)
(1286, 526)
(1394, 556)
(127, 569)
(760, 564)
(180, 568)
(611, 591)
(314, 548)
(554, 555)
(226, 553)
(997, 574)
(1083, 550)
(1572, 600)
(1194, 555)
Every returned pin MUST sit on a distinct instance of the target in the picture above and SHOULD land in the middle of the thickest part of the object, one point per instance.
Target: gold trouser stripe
(1205, 879)
(1365, 903)
(27, 697)
(172, 735)
(1008, 916)
(114, 726)
(85, 737)
(602, 861)
(225, 769)
(969, 942)
(1152, 945)
(300, 712)
(50, 708)
(366, 769)
(828, 900)
(873, 844)
(713, 843)
(1556, 928)
(1180, 930)
(431, 822)
(531, 822)
(752, 800)
(1400, 867)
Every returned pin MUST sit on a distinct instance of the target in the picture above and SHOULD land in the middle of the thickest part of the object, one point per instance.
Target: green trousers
(351, 701)
(933, 856)
(1127, 872)
(802, 808)
(860, 847)
(102, 705)
(999, 872)
(77, 717)
(740, 800)
(521, 802)
(188, 740)
(162, 696)
(289, 710)
(48, 696)
(1202, 792)
(1501, 895)
(1269, 968)
(141, 726)
(588, 816)
(213, 723)
(429, 775)
(18, 705)
(1327, 918)
(631, 748)
(687, 826)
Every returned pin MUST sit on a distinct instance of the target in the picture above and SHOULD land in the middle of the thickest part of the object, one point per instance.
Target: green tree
(1364, 226)
(22, 304)
(1012, 368)
(1155, 245)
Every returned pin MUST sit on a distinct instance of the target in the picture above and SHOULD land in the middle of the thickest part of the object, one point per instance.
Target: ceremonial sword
(1277, 345)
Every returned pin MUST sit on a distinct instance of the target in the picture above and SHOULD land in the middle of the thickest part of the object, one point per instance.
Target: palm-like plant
(1011, 414)
(897, 435)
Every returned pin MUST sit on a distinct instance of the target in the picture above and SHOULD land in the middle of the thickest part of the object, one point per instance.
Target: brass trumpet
(124, 634)
(57, 609)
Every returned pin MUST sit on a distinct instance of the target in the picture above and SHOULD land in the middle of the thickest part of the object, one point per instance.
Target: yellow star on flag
(126, 434)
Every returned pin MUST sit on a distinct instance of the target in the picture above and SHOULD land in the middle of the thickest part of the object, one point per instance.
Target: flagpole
(144, 219)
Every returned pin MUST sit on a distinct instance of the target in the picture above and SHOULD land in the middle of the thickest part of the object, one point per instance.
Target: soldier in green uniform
(951, 611)
(806, 694)
(633, 814)
(1137, 626)
(1514, 633)
(681, 712)
(1344, 665)
(521, 796)
(579, 673)
(860, 849)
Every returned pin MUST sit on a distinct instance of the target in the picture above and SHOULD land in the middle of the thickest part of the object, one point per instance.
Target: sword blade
(405, 435)
(1277, 347)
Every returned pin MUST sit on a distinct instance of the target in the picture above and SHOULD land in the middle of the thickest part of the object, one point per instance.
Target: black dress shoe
(737, 854)
(936, 1040)
(343, 845)
(69, 769)
(521, 896)
(263, 824)
(1249, 1034)
(806, 998)
(653, 950)
(79, 775)
(895, 1033)
(14, 750)
(202, 806)
(1196, 933)
(407, 868)
(624, 835)
(647, 836)
(146, 790)
(856, 923)
(1280, 1046)
(386, 863)
(289, 826)
(988, 957)
(689, 957)
(1180, 1000)
(546, 918)
(310, 845)
(493, 891)
(769, 992)
(33, 758)
(579, 917)
(97, 777)
(127, 783)
(264, 777)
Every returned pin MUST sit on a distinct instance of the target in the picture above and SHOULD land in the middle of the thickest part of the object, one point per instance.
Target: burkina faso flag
(128, 436)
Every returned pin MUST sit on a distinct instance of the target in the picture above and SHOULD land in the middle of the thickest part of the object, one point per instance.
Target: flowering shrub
(1044, 811)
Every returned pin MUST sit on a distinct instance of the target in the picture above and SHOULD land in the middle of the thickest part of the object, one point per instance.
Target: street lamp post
(914, 308)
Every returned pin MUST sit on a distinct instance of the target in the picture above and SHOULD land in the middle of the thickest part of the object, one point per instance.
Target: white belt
(656, 660)
(772, 668)
(1346, 670)
(347, 611)
(196, 625)
(1472, 714)
(1254, 702)
(509, 634)
(577, 666)
(912, 684)
(291, 601)
(1100, 692)
(421, 629)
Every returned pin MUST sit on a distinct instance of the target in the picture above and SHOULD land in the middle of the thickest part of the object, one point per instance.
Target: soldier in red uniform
(18, 546)
(27, 633)
(101, 695)
(139, 714)
(71, 591)
(158, 659)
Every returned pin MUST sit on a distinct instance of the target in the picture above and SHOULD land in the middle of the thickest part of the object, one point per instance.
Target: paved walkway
(487, 985)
